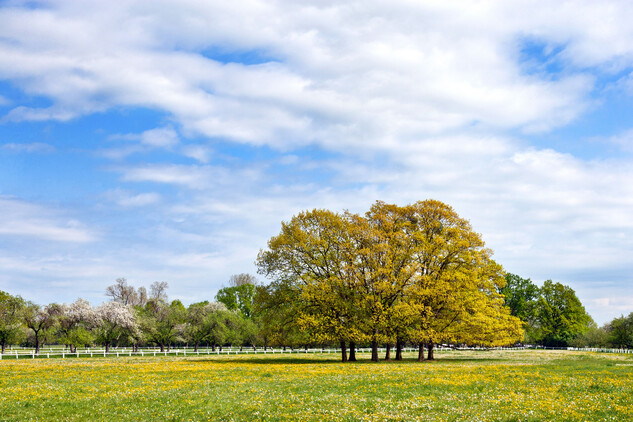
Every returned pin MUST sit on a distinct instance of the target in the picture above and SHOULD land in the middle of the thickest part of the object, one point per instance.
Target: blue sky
(166, 141)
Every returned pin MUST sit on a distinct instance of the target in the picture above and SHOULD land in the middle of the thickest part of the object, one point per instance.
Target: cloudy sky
(166, 140)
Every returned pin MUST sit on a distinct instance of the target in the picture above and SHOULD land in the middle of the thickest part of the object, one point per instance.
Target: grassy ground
(473, 386)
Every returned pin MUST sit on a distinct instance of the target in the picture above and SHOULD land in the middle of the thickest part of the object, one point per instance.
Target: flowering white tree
(75, 322)
(114, 320)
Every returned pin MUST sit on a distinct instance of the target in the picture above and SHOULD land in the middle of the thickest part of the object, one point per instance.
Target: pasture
(508, 385)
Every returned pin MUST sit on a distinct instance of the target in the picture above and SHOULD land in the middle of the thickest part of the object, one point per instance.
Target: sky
(167, 140)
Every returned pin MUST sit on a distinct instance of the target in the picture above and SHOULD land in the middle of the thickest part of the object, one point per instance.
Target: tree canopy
(417, 272)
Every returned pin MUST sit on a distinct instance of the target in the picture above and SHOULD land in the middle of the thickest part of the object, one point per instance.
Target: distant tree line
(554, 317)
(134, 317)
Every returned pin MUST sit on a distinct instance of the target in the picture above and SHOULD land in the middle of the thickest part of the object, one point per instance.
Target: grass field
(473, 386)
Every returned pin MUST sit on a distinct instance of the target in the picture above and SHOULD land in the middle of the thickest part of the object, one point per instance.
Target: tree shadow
(295, 360)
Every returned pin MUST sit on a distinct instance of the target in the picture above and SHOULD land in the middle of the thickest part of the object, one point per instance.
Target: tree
(114, 320)
(237, 280)
(75, 323)
(277, 306)
(126, 294)
(594, 337)
(620, 332)
(11, 308)
(41, 319)
(560, 316)
(158, 291)
(382, 264)
(240, 294)
(199, 321)
(163, 323)
(223, 327)
(309, 262)
(520, 295)
(122, 292)
(458, 283)
(418, 272)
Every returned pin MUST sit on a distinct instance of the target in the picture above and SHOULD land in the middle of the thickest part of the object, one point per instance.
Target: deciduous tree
(114, 321)
(560, 316)
(41, 319)
(11, 309)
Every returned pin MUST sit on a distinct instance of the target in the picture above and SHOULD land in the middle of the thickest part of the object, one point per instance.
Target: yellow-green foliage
(474, 386)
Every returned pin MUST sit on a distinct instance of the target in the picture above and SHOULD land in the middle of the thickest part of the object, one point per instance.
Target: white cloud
(35, 147)
(161, 137)
(199, 153)
(165, 137)
(24, 219)
(128, 199)
(623, 140)
(202, 177)
(344, 75)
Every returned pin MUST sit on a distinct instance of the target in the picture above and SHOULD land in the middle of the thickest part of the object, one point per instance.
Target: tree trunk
(431, 345)
(195, 347)
(421, 352)
(343, 352)
(162, 347)
(4, 346)
(352, 351)
(213, 347)
(398, 349)
(107, 347)
(374, 350)
(388, 352)
(37, 343)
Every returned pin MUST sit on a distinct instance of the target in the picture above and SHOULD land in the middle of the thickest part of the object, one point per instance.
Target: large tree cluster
(416, 273)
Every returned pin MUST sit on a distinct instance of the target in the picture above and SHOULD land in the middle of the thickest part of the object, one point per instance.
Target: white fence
(24, 353)
(143, 352)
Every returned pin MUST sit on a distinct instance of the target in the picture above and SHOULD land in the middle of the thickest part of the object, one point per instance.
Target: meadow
(459, 385)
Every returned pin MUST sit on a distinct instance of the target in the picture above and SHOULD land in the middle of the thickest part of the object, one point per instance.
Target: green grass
(474, 386)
